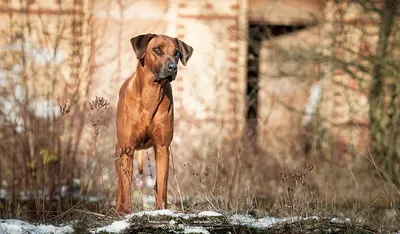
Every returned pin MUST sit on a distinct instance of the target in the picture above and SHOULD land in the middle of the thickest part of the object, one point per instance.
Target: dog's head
(161, 54)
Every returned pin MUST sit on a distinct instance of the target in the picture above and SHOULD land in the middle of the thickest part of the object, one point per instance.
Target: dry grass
(306, 189)
(299, 185)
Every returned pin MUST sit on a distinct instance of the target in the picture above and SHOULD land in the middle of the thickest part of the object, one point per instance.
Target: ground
(163, 221)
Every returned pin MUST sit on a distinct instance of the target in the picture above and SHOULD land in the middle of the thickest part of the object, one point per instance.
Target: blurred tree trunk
(77, 98)
(384, 112)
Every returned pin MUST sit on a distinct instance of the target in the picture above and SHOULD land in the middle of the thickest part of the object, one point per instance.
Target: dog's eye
(176, 54)
(157, 50)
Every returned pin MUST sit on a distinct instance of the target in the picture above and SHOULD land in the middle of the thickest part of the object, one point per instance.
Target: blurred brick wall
(209, 92)
(344, 105)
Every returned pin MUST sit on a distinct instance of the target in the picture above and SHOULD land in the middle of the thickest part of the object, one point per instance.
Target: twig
(176, 180)
(218, 155)
(92, 213)
(354, 178)
(67, 211)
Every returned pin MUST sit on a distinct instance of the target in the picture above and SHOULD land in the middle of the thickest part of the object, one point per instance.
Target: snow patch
(14, 226)
(209, 213)
(152, 213)
(115, 227)
(338, 220)
(258, 223)
(195, 230)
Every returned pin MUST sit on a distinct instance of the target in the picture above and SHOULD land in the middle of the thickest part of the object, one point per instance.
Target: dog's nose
(172, 67)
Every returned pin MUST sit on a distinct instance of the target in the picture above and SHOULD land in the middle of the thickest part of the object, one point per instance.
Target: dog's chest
(146, 126)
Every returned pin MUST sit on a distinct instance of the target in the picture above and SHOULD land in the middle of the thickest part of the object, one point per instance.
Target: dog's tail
(140, 161)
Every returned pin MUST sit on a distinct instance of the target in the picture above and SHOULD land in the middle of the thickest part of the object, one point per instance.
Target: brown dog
(145, 113)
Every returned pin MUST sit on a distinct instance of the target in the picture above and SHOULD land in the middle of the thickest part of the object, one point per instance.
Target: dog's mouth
(170, 78)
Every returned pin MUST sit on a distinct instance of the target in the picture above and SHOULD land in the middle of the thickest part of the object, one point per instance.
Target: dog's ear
(140, 43)
(185, 50)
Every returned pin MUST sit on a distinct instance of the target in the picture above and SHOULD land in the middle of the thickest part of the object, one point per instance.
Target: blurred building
(236, 89)
(226, 91)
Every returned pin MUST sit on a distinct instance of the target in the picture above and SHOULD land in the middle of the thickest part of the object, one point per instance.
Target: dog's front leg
(124, 167)
(162, 164)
